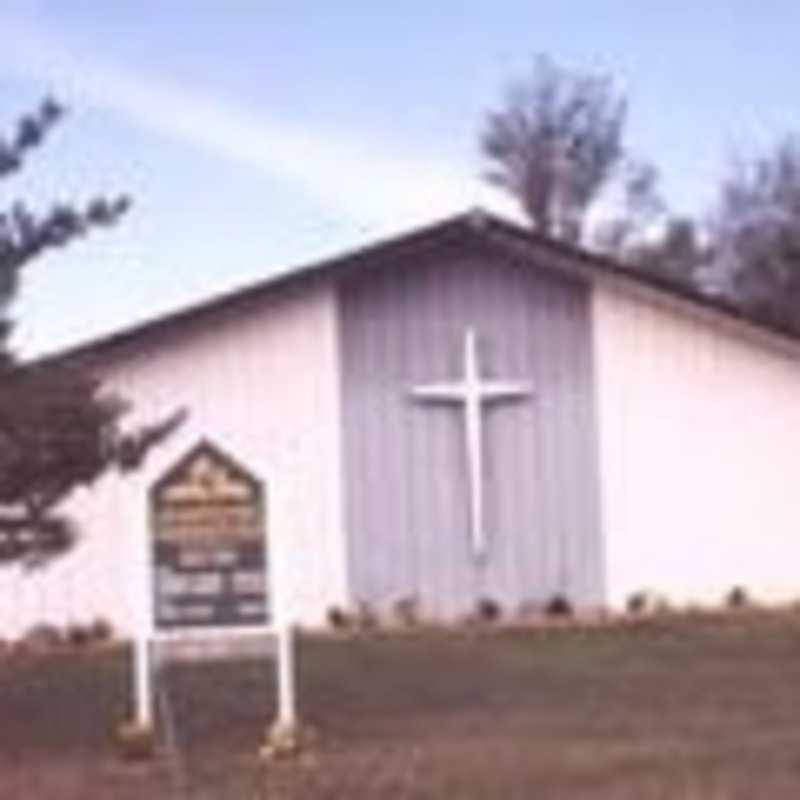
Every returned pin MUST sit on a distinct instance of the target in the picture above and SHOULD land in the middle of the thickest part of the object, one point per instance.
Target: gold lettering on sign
(206, 477)
(207, 498)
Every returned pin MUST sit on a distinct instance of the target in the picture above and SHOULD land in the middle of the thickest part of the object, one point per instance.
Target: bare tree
(640, 206)
(679, 254)
(555, 144)
(755, 234)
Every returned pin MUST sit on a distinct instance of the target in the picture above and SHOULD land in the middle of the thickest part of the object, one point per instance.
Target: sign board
(210, 561)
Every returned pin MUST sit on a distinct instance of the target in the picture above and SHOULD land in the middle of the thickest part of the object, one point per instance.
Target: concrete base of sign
(134, 741)
(286, 741)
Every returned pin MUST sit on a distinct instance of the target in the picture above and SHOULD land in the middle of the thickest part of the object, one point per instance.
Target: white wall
(262, 384)
(700, 454)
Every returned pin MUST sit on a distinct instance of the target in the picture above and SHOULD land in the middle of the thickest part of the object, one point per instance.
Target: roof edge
(490, 227)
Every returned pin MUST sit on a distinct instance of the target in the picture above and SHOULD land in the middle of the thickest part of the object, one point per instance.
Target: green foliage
(48, 639)
(41, 638)
(737, 597)
(488, 610)
(29, 133)
(406, 611)
(637, 603)
(756, 235)
(554, 144)
(101, 630)
(559, 605)
(339, 619)
(677, 255)
(58, 429)
(366, 618)
(25, 234)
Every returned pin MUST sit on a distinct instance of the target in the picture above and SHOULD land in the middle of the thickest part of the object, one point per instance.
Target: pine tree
(59, 429)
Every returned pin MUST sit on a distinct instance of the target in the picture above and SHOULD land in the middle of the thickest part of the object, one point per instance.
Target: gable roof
(469, 229)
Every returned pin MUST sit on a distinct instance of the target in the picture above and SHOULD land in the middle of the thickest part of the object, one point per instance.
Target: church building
(467, 412)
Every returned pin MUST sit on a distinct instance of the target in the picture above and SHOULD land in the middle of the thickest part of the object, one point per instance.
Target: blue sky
(254, 136)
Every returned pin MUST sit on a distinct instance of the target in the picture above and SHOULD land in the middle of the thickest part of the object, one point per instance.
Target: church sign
(208, 543)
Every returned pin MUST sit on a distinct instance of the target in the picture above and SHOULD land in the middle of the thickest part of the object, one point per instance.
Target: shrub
(647, 602)
(101, 630)
(339, 619)
(737, 597)
(78, 636)
(638, 603)
(366, 618)
(488, 610)
(41, 637)
(406, 611)
(558, 605)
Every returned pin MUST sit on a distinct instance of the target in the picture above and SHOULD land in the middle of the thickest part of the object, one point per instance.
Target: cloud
(369, 185)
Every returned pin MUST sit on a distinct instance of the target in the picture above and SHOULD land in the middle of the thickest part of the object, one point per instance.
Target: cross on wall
(473, 394)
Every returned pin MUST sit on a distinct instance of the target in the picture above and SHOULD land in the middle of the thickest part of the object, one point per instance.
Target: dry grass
(667, 710)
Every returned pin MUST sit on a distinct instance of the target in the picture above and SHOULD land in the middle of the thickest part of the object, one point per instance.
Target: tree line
(556, 143)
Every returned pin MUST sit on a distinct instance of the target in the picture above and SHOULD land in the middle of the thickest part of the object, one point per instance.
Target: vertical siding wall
(405, 468)
(261, 383)
(700, 455)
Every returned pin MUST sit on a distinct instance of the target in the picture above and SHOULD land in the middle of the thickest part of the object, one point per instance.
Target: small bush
(558, 605)
(78, 636)
(737, 598)
(366, 618)
(101, 630)
(41, 637)
(488, 610)
(638, 603)
(339, 619)
(647, 602)
(406, 611)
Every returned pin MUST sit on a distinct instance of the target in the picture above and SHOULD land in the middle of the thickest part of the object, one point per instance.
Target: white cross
(473, 393)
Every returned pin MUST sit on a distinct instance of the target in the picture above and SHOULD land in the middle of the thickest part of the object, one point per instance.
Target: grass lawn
(680, 708)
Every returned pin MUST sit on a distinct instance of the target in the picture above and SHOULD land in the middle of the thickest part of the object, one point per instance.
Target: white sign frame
(148, 638)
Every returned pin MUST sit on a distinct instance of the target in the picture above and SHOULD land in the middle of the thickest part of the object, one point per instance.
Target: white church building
(467, 411)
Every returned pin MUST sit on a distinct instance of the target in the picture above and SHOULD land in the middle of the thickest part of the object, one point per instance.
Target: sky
(255, 137)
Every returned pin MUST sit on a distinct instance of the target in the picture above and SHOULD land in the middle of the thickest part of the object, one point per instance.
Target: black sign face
(208, 543)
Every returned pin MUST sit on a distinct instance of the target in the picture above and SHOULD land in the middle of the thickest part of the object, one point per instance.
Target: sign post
(143, 683)
(287, 701)
(207, 570)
